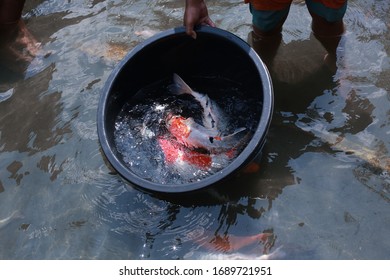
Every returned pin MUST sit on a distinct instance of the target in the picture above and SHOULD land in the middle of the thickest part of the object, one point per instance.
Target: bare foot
(18, 48)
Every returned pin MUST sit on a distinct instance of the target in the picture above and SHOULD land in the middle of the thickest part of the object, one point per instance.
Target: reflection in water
(36, 128)
(169, 230)
(320, 189)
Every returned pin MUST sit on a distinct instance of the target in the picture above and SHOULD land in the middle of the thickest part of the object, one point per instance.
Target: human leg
(11, 10)
(327, 24)
(10, 14)
(268, 18)
(17, 46)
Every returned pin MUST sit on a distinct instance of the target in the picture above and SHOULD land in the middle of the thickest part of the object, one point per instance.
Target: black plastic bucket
(214, 52)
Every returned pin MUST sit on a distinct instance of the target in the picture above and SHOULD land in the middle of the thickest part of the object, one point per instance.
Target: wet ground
(322, 191)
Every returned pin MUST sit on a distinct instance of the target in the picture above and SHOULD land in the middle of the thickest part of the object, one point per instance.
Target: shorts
(267, 14)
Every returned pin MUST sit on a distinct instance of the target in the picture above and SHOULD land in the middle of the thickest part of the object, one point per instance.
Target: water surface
(322, 190)
(148, 148)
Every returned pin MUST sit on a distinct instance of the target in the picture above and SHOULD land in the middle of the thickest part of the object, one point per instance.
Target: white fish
(211, 112)
(209, 134)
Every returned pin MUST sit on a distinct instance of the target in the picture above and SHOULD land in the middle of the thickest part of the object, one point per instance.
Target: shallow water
(322, 191)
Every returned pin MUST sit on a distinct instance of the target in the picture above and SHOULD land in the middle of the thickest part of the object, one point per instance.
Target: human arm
(196, 13)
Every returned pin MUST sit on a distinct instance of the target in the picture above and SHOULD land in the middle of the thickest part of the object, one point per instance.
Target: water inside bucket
(150, 151)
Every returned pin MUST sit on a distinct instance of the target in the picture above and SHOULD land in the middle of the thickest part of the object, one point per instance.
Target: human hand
(196, 13)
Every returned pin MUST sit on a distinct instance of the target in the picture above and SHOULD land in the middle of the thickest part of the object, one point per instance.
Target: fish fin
(180, 87)
(226, 137)
(239, 145)
(236, 131)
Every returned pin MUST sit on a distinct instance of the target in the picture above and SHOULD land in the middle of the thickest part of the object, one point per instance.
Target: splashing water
(147, 147)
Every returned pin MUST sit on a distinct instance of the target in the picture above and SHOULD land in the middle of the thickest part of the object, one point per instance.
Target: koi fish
(233, 243)
(194, 135)
(176, 153)
(277, 254)
(226, 247)
(208, 135)
(211, 111)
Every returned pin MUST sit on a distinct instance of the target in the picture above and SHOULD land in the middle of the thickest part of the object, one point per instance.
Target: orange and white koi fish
(208, 135)
(194, 135)
(226, 247)
(177, 153)
(231, 243)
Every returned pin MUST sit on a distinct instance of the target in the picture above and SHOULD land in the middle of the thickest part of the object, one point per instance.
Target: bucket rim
(246, 155)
